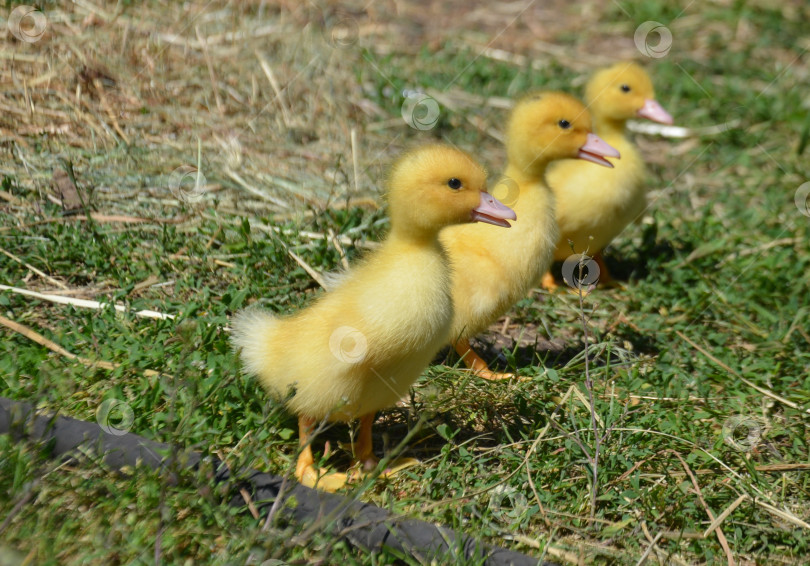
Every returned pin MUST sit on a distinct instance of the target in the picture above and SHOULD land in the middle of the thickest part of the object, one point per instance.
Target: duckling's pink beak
(596, 149)
(655, 112)
(492, 211)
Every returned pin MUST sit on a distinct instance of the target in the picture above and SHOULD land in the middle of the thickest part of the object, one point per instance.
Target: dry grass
(190, 117)
(271, 105)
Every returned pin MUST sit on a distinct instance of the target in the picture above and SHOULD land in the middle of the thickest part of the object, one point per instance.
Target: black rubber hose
(362, 524)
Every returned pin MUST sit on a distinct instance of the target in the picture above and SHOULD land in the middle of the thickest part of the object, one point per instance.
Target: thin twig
(721, 538)
(8, 197)
(589, 404)
(722, 516)
(308, 268)
(650, 548)
(211, 73)
(335, 242)
(34, 269)
(540, 505)
(589, 386)
(230, 37)
(85, 303)
(242, 491)
(758, 249)
(736, 374)
(100, 218)
(19, 505)
(782, 514)
(54, 347)
(102, 95)
(271, 78)
(566, 555)
(540, 436)
(38, 338)
(253, 190)
(355, 164)
(345, 240)
(282, 490)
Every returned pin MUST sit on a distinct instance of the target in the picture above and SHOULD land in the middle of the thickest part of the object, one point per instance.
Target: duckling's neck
(609, 128)
(527, 175)
(409, 236)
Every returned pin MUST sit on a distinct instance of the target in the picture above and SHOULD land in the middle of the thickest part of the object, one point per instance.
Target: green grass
(721, 259)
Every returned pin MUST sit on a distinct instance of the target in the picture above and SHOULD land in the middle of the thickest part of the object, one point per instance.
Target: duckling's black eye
(454, 184)
(564, 124)
(625, 88)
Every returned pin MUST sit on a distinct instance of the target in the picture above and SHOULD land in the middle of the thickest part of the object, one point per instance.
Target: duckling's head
(434, 186)
(621, 92)
(545, 126)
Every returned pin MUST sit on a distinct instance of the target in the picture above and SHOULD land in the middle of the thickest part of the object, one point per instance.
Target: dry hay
(265, 97)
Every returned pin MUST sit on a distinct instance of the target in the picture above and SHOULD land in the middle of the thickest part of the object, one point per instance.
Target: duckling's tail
(334, 279)
(250, 330)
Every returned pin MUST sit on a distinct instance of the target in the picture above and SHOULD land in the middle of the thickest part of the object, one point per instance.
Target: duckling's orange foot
(393, 467)
(606, 281)
(366, 467)
(476, 363)
(584, 290)
(548, 283)
(490, 375)
(316, 478)
(305, 469)
(611, 283)
(396, 466)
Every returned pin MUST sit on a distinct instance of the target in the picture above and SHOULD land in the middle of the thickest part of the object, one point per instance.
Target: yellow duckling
(594, 205)
(493, 269)
(359, 348)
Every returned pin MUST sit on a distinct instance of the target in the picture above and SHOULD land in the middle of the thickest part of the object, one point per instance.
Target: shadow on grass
(470, 406)
(639, 264)
(525, 349)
